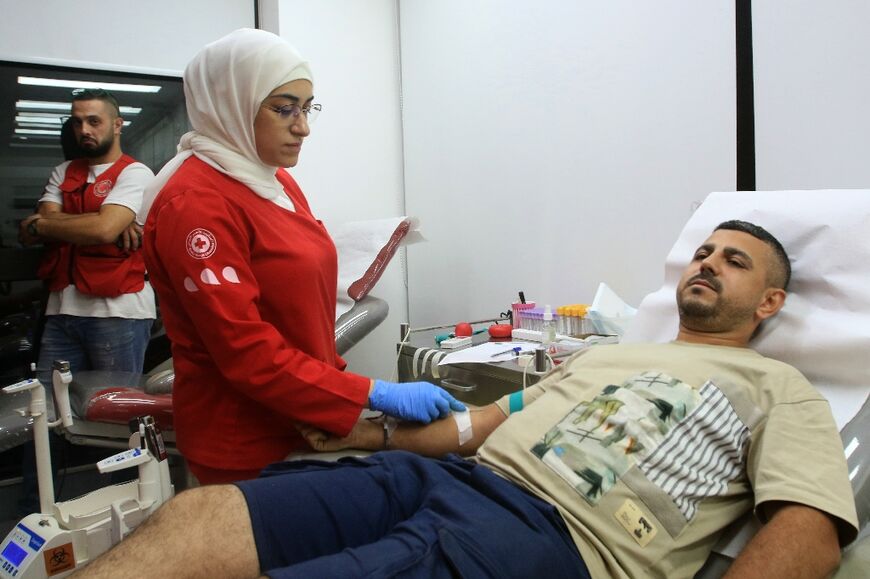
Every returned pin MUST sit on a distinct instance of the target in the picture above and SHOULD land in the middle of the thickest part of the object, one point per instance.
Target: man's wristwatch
(31, 228)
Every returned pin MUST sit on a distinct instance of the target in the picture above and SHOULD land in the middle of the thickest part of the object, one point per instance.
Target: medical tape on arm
(463, 423)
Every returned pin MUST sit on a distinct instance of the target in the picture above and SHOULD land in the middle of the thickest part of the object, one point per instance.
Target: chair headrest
(824, 328)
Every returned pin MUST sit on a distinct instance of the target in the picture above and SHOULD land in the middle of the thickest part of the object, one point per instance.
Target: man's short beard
(698, 315)
(717, 316)
(696, 310)
(99, 150)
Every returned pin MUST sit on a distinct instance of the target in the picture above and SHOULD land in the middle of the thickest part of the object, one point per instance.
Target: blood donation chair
(823, 330)
(103, 402)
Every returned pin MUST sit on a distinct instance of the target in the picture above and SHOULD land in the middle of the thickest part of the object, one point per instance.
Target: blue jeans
(116, 344)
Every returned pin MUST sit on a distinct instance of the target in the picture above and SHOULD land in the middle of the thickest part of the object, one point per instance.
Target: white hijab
(224, 85)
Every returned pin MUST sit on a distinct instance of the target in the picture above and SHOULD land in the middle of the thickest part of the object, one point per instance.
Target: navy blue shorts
(396, 514)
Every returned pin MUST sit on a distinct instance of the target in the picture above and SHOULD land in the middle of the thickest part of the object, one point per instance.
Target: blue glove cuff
(377, 393)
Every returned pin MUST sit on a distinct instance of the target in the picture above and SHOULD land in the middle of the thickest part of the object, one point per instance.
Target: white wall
(812, 89)
(553, 145)
(156, 35)
(546, 146)
(351, 166)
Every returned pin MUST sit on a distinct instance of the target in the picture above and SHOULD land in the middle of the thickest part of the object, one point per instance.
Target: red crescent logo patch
(102, 188)
(201, 244)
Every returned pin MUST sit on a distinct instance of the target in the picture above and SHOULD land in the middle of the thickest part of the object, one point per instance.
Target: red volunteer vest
(98, 270)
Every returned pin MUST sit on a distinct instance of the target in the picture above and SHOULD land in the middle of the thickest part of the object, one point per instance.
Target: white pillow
(824, 328)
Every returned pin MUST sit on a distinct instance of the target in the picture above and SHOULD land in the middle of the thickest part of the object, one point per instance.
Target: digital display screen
(14, 554)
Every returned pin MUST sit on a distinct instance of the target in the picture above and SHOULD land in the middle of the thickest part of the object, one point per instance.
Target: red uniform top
(247, 294)
(103, 270)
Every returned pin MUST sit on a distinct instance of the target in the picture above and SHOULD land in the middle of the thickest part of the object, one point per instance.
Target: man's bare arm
(434, 439)
(797, 542)
(83, 229)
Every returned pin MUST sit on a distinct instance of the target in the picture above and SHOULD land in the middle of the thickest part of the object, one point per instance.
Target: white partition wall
(553, 145)
(812, 88)
(157, 35)
(351, 166)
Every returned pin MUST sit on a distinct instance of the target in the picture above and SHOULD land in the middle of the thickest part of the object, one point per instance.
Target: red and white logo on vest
(201, 243)
(102, 188)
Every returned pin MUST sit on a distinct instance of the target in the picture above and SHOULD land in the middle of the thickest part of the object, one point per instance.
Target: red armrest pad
(361, 287)
(119, 405)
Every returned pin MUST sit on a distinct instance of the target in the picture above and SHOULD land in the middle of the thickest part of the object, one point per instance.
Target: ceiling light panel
(37, 132)
(110, 86)
(38, 119)
(63, 107)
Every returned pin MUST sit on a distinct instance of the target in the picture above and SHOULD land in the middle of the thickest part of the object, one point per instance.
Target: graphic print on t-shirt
(690, 443)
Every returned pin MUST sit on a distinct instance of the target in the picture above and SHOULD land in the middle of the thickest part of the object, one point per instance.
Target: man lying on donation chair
(626, 461)
(823, 331)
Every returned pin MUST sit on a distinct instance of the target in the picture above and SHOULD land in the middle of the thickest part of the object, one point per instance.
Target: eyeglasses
(293, 111)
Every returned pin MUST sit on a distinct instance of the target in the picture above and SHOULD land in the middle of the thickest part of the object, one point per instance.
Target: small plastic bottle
(548, 327)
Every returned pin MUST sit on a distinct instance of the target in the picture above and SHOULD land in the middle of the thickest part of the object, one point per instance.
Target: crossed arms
(111, 223)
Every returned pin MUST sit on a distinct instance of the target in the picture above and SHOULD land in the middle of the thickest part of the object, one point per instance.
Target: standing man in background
(101, 306)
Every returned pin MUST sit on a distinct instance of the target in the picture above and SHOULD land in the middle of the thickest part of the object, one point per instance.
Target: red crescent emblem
(201, 243)
(102, 188)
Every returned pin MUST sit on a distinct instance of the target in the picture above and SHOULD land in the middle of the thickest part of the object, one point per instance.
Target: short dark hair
(781, 274)
(89, 94)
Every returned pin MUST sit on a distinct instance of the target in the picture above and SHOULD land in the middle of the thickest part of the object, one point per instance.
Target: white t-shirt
(127, 192)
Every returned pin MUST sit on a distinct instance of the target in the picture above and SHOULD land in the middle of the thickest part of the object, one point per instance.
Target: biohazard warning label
(59, 559)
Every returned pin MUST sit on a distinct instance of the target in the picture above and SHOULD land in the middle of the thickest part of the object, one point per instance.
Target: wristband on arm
(389, 427)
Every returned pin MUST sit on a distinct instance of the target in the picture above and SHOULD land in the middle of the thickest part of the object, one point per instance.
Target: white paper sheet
(609, 314)
(358, 244)
(486, 352)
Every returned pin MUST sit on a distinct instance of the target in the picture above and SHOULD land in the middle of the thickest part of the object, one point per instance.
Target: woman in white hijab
(246, 276)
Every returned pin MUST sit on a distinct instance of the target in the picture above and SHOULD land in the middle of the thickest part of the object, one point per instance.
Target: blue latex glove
(418, 401)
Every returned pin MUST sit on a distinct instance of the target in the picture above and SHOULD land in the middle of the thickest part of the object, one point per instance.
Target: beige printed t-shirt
(650, 450)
